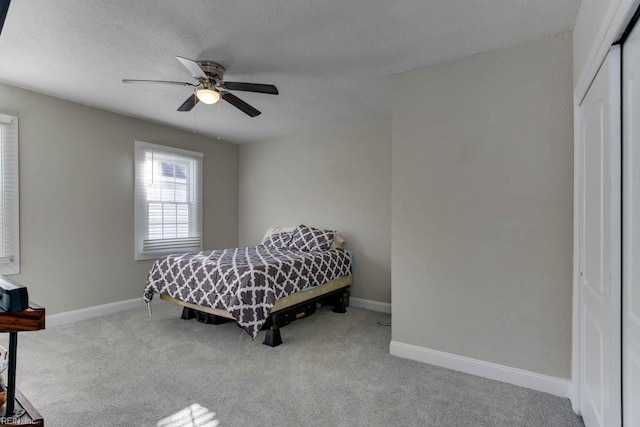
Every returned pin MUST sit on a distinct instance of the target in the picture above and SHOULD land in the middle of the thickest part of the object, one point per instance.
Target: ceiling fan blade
(193, 67)
(189, 103)
(160, 82)
(4, 8)
(252, 87)
(240, 104)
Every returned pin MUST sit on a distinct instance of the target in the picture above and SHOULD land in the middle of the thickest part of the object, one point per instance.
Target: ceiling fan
(210, 86)
(4, 8)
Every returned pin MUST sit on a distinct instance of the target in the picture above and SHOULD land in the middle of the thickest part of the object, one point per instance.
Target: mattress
(244, 282)
(300, 297)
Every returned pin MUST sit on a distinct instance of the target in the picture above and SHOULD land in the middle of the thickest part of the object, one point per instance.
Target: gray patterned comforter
(246, 282)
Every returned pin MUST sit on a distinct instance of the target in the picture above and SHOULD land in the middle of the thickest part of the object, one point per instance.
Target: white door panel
(631, 236)
(599, 257)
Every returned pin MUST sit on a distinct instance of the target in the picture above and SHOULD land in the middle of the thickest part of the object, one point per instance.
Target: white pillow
(274, 230)
(338, 241)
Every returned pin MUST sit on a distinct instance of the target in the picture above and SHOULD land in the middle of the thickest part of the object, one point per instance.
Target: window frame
(141, 204)
(13, 200)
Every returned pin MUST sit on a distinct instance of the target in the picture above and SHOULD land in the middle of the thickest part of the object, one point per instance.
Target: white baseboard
(383, 307)
(539, 382)
(115, 307)
(91, 312)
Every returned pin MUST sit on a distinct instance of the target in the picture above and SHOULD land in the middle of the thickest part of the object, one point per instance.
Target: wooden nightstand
(18, 410)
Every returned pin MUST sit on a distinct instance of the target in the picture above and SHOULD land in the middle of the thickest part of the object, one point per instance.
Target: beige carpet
(333, 369)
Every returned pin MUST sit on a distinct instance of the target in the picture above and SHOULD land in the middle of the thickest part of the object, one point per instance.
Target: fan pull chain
(218, 112)
(195, 116)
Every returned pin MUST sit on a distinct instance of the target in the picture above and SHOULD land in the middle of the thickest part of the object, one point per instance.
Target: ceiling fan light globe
(208, 96)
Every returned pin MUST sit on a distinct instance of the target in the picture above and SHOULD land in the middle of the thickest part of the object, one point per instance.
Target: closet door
(631, 227)
(599, 145)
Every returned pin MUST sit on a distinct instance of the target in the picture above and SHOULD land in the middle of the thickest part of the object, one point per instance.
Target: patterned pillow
(311, 239)
(278, 240)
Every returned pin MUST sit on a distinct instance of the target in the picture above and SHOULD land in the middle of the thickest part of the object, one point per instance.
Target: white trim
(630, 228)
(577, 202)
(615, 253)
(10, 263)
(6, 119)
(382, 307)
(115, 307)
(141, 224)
(614, 23)
(169, 149)
(92, 312)
(539, 382)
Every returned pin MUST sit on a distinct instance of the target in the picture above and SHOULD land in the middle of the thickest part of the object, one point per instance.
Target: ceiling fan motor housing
(213, 70)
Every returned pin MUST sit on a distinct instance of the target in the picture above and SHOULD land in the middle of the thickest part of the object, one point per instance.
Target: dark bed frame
(339, 299)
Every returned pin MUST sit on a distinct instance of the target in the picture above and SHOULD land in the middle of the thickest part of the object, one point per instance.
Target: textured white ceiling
(330, 59)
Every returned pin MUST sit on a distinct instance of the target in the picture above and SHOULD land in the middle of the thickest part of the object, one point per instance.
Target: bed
(262, 287)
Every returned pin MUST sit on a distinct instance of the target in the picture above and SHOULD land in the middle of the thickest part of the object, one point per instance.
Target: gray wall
(482, 206)
(76, 198)
(338, 179)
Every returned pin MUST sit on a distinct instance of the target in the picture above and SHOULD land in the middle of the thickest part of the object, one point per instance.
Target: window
(168, 200)
(9, 207)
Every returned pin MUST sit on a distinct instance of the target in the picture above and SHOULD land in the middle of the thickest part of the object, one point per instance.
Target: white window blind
(9, 199)
(168, 200)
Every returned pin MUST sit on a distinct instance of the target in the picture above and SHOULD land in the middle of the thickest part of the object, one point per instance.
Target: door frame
(616, 19)
(630, 218)
(615, 22)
